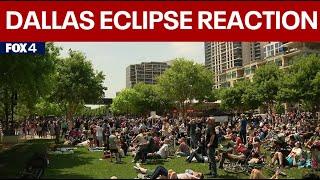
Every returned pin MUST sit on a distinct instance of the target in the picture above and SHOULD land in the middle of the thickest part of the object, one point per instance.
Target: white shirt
(99, 131)
(163, 151)
(135, 129)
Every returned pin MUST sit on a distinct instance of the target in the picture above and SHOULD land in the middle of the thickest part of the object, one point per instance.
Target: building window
(247, 71)
(278, 62)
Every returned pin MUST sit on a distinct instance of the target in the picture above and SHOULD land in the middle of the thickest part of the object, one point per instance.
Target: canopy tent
(92, 106)
(154, 117)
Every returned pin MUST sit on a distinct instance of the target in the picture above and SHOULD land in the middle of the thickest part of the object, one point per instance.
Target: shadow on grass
(14, 159)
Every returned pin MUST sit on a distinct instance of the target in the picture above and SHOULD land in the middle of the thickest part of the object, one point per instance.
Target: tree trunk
(7, 111)
(70, 112)
(12, 111)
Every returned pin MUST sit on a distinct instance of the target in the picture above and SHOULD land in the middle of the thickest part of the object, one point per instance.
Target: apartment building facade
(226, 60)
(146, 72)
(252, 55)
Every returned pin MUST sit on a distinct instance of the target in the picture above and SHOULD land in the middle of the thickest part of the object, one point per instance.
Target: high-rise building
(146, 72)
(226, 60)
(283, 53)
(234, 61)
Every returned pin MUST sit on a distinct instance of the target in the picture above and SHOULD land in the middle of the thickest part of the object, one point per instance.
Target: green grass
(85, 164)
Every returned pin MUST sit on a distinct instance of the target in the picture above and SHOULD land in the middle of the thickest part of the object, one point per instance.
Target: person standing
(57, 131)
(52, 130)
(113, 146)
(32, 129)
(99, 134)
(212, 141)
(45, 129)
(192, 133)
(64, 127)
(39, 130)
(243, 129)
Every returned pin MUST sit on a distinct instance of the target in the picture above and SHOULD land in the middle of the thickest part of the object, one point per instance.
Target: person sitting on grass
(291, 159)
(281, 151)
(199, 153)
(162, 153)
(183, 149)
(314, 145)
(144, 149)
(228, 153)
(162, 173)
(229, 135)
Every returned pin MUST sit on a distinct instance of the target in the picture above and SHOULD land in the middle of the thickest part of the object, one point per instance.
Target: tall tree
(127, 102)
(25, 78)
(242, 97)
(151, 99)
(231, 99)
(267, 80)
(303, 79)
(186, 80)
(250, 97)
(77, 83)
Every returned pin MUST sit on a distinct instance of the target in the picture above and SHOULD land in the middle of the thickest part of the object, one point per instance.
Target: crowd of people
(292, 139)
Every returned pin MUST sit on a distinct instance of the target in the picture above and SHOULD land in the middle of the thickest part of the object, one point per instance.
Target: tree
(286, 93)
(24, 79)
(45, 108)
(303, 80)
(127, 101)
(77, 83)
(231, 99)
(243, 96)
(213, 96)
(250, 97)
(151, 99)
(185, 80)
(267, 80)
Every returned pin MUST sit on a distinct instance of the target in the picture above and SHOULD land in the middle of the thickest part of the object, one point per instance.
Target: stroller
(35, 167)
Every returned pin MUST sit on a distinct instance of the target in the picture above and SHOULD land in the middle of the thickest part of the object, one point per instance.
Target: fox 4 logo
(20, 48)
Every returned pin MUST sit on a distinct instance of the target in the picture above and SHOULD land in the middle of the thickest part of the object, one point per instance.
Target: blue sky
(113, 58)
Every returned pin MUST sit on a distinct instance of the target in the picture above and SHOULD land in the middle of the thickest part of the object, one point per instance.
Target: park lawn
(86, 164)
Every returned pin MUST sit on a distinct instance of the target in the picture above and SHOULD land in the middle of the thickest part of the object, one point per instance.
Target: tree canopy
(302, 81)
(186, 80)
(24, 79)
(77, 83)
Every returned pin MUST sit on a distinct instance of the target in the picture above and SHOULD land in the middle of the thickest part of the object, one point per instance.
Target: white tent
(154, 117)
(91, 106)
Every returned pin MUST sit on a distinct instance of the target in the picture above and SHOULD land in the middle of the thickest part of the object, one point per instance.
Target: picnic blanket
(96, 149)
(63, 150)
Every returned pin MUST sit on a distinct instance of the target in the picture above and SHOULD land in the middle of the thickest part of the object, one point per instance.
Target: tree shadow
(13, 160)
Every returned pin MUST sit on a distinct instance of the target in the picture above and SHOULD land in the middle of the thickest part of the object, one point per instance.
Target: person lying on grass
(257, 174)
(162, 173)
